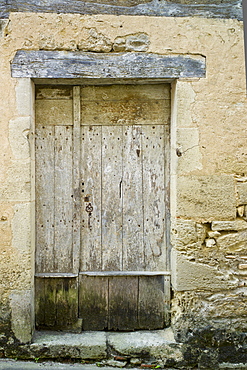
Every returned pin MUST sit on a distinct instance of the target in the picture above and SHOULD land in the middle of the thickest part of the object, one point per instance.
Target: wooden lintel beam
(86, 65)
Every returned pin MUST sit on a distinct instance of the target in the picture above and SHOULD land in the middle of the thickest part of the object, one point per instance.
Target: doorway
(101, 156)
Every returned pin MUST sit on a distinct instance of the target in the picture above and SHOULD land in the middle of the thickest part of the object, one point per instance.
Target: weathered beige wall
(208, 158)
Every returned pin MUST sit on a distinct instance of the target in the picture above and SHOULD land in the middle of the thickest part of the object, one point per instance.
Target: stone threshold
(118, 349)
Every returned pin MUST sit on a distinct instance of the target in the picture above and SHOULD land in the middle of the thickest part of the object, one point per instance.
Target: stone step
(119, 349)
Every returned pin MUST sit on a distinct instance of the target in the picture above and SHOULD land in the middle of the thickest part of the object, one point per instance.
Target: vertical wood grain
(66, 302)
(151, 302)
(63, 255)
(76, 178)
(154, 195)
(111, 198)
(50, 293)
(40, 304)
(123, 298)
(44, 156)
(93, 302)
(91, 196)
(133, 252)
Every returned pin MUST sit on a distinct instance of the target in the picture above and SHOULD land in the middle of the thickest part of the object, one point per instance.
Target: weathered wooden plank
(167, 299)
(55, 274)
(91, 258)
(126, 104)
(125, 92)
(76, 178)
(56, 303)
(40, 307)
(119, 273)
(174, 8)
(126, 112)
(133, 248)
(112, 198)
(53, 93)
(64, 64)
(50, 292)
(154, 195)
(63, 254)
(123, 300)
(151, 302)
(93, 302)
(44, 179)
(54, 112)
(66, 303)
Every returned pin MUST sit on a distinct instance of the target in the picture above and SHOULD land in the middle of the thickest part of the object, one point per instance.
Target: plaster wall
(208, 162)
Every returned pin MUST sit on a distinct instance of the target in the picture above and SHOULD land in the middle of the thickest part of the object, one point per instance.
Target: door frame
(169, 69)
(28, 88)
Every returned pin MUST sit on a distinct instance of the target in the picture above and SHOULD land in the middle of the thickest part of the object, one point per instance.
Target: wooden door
(101, 207)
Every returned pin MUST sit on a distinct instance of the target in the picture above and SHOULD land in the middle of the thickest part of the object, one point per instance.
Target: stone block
(213, 234)
(242, 266)
(88, 345)
(24, 97)
(206, 198)
(96, 42)
(210, 243)
(17, 184)
(188, 275)
(188, 144)
(115, 363)
(235, 225)
(185, 98)
(136, 42)
(226, 305)
(19, 129)
(233, 242)
(6, 214)
(242, 192)
(21, 228)
(21, 303)
(157, 344)
(184, 233)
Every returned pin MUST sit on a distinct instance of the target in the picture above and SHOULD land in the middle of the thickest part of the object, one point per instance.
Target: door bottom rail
(101, 273)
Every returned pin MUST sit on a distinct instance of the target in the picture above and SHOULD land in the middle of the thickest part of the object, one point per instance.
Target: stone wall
(208, 171)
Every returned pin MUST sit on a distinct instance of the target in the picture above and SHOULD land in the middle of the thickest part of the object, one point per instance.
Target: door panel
(101, 155)
(112, 164)
(125, 105)
(154, 195)
(123, 303)
(91, 253)
(63, 208)
(56, 303)
(45, 199)
(132, 194)
(93, 302)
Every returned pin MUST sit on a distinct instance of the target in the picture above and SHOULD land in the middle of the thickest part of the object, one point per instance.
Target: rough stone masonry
(207, 167)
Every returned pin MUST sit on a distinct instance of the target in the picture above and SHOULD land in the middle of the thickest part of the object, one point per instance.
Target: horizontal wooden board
(58, 92)
(64, 64)
(129, 112)
(122, 273)
(125, 92)
(54, 112)
(123, 302)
